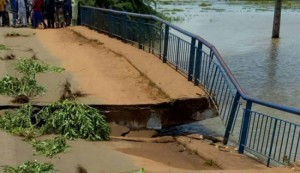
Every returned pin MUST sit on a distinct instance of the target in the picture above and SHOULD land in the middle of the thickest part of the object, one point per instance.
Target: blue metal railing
(272, 138)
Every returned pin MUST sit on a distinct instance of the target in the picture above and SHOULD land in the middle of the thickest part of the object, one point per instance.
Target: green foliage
(15, 87)
(30, 167)
(135, 6)
(30, 67)
(26, 85)
(17, 119)
(3, 47)
(68, 118)
(19, 122)
(74, 120)
(50, 147)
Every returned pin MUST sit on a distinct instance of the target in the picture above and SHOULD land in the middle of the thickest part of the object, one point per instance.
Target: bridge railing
(270, 137)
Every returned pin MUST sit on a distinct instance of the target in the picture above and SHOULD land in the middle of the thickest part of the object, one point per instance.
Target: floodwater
(266, 68)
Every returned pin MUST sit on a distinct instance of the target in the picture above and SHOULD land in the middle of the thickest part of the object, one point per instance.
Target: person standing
(68, 12)
(22, 13)
(13, 5)
(2, 11)
(37, 7)
(50, 10)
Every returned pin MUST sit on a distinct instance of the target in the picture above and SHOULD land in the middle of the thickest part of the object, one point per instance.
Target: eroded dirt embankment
(114, 72)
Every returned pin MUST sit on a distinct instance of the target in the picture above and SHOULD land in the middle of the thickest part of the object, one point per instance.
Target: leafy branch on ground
(19, 123)
(30, 67)
(50, 147)
(17, 87)
(26, 86)
(68, 118)
(30, 167)
(74, 120)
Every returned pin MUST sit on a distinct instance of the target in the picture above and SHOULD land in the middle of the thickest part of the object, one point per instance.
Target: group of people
(57, 13)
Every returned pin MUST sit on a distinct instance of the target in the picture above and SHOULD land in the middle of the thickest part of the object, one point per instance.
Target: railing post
(141, 33)
(245, 127)
(198, 63)
(79, 14)
(110, 24)
(124, 30)
(177, 55)
(272, 141)
(166, 42)
(231, 117)
(192, 59)
(205, 84)
(160, 39)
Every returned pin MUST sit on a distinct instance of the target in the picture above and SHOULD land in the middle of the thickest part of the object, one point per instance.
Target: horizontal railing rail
(203, 65)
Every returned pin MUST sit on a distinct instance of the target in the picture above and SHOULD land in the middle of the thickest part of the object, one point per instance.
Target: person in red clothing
(37, 7)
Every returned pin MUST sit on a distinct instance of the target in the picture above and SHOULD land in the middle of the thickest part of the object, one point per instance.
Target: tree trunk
(276, 20)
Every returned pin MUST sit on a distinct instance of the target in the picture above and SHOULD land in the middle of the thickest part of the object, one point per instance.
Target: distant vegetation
(136, 6)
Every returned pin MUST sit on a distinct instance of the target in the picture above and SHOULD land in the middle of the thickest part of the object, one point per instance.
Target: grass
(30, 167)
(50, 147)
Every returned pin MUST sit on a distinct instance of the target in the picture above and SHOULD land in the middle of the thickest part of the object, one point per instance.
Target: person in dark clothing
(50, 10)
(37, 7)
(14, 9)
(68, 12)
(6, 15)
(2, 10)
